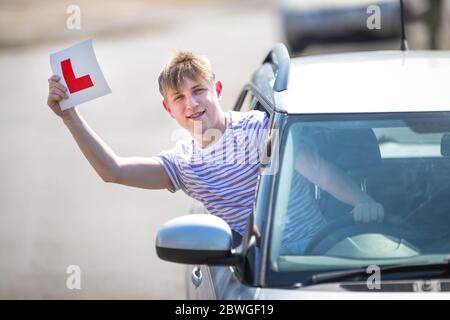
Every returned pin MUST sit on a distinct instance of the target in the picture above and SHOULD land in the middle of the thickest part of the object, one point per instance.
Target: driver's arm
(339, 184)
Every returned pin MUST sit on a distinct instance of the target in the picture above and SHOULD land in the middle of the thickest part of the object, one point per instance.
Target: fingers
(54, 78)
(357, 215)
(361, 213)
(59, 86)
(53, 82)
(380, 213)
(372, 213)
(57, 93)
(368, 212)
(376, 211)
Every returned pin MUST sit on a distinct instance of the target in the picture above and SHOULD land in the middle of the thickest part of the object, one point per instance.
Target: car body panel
(219, 283)
(335, 291)
(352, 83)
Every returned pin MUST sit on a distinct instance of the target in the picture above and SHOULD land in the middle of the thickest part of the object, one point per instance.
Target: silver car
(381, 117)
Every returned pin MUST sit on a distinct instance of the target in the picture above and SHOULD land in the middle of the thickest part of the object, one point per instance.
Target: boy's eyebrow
(174, 93)
(193, 88)
(197, 85)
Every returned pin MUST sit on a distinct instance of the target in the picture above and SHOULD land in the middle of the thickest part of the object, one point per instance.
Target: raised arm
(131, 171)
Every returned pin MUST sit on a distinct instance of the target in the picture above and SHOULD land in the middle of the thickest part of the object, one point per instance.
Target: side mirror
(445, 145)
(196, 239)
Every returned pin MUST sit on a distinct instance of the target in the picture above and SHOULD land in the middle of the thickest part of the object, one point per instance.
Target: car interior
(414, 191)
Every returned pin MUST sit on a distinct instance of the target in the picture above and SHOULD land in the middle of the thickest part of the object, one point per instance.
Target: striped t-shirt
(223, 175)
(303, 218)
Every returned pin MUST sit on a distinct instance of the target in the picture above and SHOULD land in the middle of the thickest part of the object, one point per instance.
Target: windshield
(354, 191)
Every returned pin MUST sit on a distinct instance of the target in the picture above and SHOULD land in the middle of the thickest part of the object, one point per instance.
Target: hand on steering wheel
(368, 211)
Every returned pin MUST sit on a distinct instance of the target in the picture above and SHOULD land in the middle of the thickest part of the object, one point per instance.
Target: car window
(395, 160)
(246, 101)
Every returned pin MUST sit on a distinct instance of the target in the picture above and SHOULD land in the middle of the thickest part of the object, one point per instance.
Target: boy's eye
(199, 90)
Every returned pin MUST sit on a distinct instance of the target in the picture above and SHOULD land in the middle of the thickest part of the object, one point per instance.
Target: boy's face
(195, 103)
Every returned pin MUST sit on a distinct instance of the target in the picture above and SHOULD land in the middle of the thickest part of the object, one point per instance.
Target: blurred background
(54, 210)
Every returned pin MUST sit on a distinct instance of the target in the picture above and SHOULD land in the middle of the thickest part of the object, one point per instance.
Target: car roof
(367, 82)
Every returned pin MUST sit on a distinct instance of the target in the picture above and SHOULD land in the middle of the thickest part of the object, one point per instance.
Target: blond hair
(184, 65)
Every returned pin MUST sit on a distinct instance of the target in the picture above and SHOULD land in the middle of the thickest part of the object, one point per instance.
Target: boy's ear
(167, 108)
(219, 89)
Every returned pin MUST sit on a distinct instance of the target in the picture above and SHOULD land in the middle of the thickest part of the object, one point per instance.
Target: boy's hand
(56, 92)
(368, 211)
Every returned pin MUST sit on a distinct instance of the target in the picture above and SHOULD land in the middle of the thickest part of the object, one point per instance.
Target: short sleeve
(169, 161)
(307, 150)
(263, 133)
(257, 130)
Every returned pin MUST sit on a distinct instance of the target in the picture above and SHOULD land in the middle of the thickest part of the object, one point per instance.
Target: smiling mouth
(196, 115)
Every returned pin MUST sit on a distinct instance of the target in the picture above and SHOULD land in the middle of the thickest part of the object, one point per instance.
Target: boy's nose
(192, 103)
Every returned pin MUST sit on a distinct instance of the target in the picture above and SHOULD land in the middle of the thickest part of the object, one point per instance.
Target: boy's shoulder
(248, 119)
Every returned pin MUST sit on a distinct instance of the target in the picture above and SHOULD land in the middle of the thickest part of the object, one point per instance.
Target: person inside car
(304, 218)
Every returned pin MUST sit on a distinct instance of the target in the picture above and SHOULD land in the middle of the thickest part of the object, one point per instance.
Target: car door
(204, 282)
(215, 282)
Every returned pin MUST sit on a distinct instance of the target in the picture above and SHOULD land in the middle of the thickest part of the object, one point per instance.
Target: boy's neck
(221, 125)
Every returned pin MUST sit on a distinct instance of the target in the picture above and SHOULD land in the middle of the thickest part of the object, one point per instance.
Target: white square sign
(80, 73)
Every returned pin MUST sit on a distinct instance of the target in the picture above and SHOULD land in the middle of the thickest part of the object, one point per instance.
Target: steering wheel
(345, 227)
